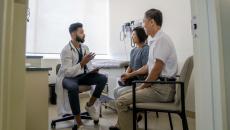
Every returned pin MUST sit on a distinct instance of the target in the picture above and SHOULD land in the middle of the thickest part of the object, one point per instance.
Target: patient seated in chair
(138, 59)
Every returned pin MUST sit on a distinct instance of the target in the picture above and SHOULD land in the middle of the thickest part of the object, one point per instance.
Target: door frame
(12, 67)
(5, 49)
(209, 85)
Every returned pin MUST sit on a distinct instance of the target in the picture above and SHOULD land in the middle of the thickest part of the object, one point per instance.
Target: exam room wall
(177, 17)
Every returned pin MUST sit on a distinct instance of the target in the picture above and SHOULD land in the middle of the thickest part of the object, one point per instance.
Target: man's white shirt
(162, 48)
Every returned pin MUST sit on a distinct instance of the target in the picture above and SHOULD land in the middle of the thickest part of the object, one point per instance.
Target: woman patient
(138, 59)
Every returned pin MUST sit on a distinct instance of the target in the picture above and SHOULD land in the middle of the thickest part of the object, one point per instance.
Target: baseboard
(190, 114)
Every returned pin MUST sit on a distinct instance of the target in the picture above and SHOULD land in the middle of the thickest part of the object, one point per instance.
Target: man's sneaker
(92, 112)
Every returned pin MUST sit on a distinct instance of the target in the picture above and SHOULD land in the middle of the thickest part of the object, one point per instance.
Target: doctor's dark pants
(72, 85)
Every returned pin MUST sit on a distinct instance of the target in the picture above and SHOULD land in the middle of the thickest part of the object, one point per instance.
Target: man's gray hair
(156, 15)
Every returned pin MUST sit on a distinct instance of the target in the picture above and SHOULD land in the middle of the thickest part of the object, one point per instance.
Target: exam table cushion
(110, 63)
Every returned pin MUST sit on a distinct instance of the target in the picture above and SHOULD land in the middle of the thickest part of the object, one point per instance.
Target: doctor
(75, 63)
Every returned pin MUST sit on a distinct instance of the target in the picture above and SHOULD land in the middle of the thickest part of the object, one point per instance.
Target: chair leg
(184, 121)
(146, 121)
(157, 114)
(170, 121)
(134, 120)
(100, 111)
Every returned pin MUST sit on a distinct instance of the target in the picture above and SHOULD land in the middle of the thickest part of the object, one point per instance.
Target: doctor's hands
(87, 58)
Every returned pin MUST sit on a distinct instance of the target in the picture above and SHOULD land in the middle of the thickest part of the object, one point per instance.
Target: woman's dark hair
(156, 15)
(141, 35)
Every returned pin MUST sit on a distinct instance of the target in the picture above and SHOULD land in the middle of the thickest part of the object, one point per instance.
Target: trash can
(52, 95)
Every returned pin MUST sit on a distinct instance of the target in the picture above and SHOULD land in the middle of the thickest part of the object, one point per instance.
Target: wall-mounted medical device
(127, 29)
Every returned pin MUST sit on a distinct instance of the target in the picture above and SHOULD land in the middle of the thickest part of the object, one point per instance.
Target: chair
(177, 107)
(66, 117)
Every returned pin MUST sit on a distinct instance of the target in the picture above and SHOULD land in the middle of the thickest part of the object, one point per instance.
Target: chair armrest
(157, 82)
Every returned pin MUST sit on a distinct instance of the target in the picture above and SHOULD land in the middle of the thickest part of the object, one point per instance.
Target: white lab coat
(69, 68)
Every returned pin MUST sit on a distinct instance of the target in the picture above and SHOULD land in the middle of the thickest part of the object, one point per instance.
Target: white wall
(177, 17)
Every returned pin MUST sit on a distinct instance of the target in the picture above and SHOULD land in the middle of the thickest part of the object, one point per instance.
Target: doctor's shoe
(81, 127)
(92, 112)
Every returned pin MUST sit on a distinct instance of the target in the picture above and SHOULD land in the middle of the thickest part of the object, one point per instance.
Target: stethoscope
(78, 50)
(79, 53)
